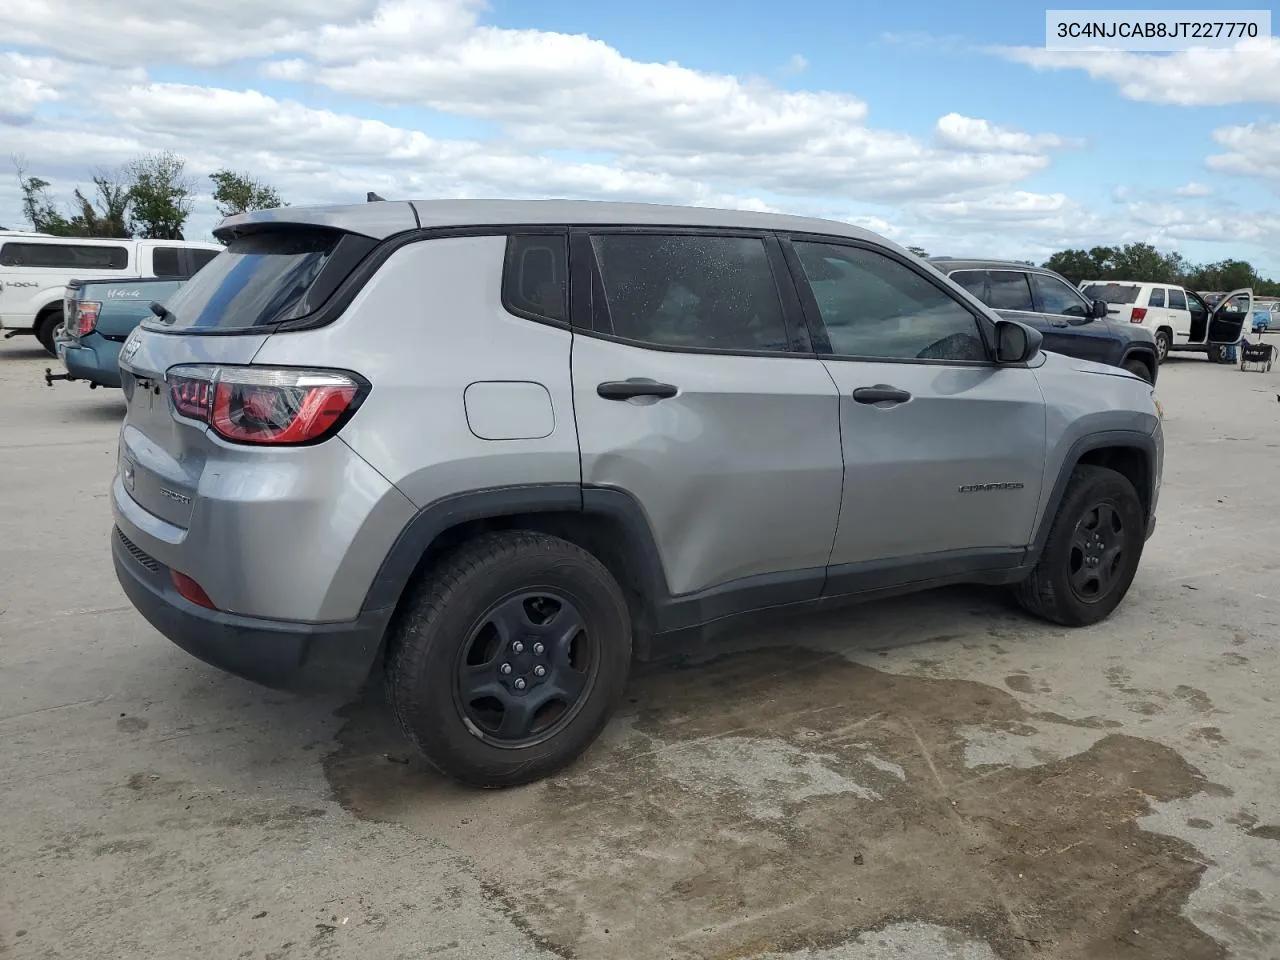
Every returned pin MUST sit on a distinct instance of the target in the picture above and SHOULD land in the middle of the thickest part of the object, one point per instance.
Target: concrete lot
(932, 777)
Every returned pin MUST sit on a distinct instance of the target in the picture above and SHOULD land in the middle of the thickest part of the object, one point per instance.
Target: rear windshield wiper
(163, 312)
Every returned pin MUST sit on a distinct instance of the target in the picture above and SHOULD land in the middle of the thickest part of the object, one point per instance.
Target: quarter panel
(427, 325)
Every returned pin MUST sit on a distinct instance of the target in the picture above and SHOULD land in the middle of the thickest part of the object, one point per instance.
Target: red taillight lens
(191, 590)
(264, 404)
(1139, 314)
(87, 316)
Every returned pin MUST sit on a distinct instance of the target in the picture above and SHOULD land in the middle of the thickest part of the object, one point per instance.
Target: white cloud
(797, 64)
(1194, 189)
(1250, 73)
(1253, 150)
(970, 133)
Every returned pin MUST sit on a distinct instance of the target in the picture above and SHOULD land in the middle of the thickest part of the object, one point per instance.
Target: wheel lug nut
(520, 683)
(539, 649)
(517, 647)
(505, 669)
(539, 671)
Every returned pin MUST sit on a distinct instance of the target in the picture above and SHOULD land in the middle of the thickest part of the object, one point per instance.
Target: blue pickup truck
(100, 315)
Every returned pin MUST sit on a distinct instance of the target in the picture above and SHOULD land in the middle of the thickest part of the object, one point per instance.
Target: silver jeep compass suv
(500, 448)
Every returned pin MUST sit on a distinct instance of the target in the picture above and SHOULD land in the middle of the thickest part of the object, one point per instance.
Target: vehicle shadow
(26, 353)
(110, 410)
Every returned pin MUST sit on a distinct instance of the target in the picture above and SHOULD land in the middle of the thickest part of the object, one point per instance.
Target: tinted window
(261, 278)
(1054, 296)
(873, 306)
(689, 291)
(1177, 300)
(1157, 297)
(1112, 292)
(165, 262)
(535, 280)
(67, 255)
(1009, 291)
(975, 281)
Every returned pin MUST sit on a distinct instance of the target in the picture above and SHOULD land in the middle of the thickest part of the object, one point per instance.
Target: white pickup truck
(35, 269)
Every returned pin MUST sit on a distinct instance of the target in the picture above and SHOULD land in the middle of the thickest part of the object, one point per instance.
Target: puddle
(784, 801)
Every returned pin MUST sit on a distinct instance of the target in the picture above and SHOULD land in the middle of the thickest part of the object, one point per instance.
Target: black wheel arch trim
(1106, 439)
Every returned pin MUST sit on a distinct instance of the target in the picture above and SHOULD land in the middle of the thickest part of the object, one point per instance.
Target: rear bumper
(303, 657)
(98, 362)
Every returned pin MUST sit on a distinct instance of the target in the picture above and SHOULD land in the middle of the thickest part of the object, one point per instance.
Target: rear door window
(1177, 300)
(1157, 297)
(1010, 291)
(263, 279)
(699, 292)
(535, 281)
(975, 281)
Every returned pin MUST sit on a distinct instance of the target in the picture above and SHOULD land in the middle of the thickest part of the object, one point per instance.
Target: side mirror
(1016, 342)
(1100, 309)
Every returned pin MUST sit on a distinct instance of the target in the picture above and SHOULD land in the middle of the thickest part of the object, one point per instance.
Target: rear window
(165, 262)
(67, 255)
(260, 279)
(1112, 292)
(200, 257)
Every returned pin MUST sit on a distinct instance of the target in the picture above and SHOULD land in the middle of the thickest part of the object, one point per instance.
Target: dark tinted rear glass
(200, 257)
(1112, 292)
(535, 280)
(260, 279)
(72, 255)
(1009, 291)
(165, 262)
(1157, 297)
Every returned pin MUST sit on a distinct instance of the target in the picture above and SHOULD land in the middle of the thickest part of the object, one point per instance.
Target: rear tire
(1216, 353)
(1138, 369)
(463, 670)
(1092, 553)
(46, 325)
(1163, 342)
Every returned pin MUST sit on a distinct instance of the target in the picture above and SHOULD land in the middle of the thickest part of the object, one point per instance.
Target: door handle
(1059, 323)
(635, 387)
(881, 393)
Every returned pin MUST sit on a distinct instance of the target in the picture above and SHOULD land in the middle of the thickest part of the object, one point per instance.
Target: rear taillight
(1139, 314)
(87, 316)
(266, 405)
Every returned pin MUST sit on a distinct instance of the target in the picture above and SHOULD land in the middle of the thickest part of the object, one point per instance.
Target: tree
(160, 195)
(1142, 261)
(1075, 265)
(239, 192)
(37, 206)
(109, 217)
(919, 252)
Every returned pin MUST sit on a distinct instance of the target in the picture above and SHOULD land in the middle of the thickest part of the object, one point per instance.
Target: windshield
(1112, 292)
(259, 280)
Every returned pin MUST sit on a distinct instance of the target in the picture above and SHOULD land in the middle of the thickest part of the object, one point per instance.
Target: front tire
(508, 661)
(1138, 369)
(1091, 556)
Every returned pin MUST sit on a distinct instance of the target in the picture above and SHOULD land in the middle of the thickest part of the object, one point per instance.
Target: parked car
(1046, 300)
(1179, 318)
(35, 269)
(424, 437)
(100, 316)
(1265, 316)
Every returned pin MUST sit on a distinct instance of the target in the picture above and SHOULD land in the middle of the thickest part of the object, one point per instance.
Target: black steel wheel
(523, 670)
(1091, 555)
(509, 658)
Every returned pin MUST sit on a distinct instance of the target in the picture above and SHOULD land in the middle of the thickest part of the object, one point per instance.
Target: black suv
(1047, 301)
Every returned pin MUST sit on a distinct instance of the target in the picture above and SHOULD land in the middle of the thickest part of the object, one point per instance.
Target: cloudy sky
(946, 125)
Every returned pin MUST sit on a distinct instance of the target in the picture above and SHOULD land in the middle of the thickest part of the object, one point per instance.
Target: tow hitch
(18, 331)
(50, 376)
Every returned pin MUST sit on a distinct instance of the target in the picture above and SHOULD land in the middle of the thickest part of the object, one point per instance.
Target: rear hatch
(1119, 296)
(270, 276)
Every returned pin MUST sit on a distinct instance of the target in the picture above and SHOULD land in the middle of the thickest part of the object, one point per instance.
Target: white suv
(35, 269)
(1178, 318)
